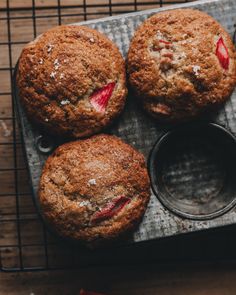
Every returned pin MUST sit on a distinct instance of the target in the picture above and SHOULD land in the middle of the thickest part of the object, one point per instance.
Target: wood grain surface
(216, 279)
(137, 279)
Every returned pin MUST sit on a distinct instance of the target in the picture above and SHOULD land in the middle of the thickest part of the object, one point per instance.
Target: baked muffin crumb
(94, 190)
(181, 63)
(71, 81)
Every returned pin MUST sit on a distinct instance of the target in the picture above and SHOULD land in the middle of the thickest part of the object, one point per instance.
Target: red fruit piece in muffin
(112, 208)
(99, 99)
(165, 42)
(222, 53)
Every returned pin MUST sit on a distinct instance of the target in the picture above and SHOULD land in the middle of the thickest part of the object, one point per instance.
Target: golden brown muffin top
(94, 189)
(71, 80)
(181, 62)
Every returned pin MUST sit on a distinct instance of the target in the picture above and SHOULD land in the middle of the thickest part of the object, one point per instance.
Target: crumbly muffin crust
(178, 64)
(82, 180)
(61, 75)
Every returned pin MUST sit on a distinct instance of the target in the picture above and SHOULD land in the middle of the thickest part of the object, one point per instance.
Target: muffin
(181, 63)
(71, 81)
(94, 190)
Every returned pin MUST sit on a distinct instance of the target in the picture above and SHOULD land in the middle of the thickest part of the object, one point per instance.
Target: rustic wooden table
(19, 24)
(215, 279)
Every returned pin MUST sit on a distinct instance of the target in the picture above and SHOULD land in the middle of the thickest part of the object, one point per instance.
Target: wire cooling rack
(24, 242)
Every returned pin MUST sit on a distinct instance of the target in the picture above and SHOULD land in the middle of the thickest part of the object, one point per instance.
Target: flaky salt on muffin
(71, 81)
(94, 190)
(181, 63)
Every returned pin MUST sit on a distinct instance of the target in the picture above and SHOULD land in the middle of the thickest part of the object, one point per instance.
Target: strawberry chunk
(159, 44)
(83, 292)
(112, 208)
(222, 53)
(165, 42)
(99, 98)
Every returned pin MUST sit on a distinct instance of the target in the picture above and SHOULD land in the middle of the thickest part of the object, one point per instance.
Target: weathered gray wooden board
(139, 130)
